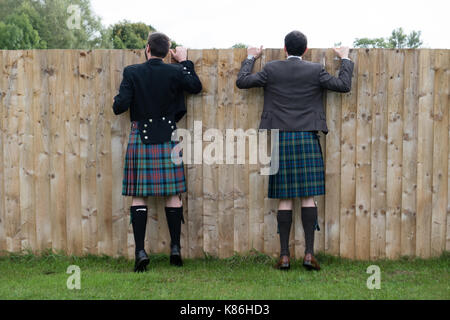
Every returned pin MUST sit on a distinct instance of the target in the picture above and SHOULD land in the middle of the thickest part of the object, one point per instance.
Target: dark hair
(296, 43)
(159, 44)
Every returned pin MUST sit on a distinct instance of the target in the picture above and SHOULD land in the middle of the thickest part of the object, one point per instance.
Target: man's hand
(179, 55)
(257, 53)
(342, 52)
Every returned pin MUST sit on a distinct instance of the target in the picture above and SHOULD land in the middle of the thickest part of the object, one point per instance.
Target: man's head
(295, 43)
(158, 44)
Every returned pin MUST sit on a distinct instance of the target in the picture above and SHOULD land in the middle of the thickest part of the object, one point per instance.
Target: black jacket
(293, 92)
(155, 89)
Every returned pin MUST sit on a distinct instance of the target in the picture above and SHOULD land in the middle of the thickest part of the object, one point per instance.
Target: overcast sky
(220, 24)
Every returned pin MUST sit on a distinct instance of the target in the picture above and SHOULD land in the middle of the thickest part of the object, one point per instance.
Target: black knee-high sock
(284, 218)
(174, 217)
(309, 220)
(139, 222)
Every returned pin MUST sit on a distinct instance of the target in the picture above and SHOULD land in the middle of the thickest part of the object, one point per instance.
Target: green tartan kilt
(301, 167)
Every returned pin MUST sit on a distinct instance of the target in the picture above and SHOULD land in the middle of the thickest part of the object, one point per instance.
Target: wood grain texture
(363, 154)
(333, 160)
(440, 152)
(409, 157)
(3, 90)
(394, 153)
(379, 151)
(225, 120)
(88, 158)
(348, 166)
(424, 150)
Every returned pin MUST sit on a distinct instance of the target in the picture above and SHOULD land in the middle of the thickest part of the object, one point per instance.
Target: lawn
(27, 276)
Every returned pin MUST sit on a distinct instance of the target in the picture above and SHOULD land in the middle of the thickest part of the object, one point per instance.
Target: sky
(203, 24)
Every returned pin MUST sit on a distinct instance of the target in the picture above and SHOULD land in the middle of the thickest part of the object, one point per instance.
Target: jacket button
(150, 120)
(146, 137)
(164, 118)
(172, 127)
(145, 131)
(145, 125)
(169, 121)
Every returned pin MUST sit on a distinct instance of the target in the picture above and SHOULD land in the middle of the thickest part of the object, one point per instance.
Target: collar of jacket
(155, 61)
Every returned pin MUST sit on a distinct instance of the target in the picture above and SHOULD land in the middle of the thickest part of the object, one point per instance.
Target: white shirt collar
(297, 57)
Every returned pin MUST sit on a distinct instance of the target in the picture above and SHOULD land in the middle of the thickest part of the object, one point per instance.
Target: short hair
(296, 43)
(159, 44)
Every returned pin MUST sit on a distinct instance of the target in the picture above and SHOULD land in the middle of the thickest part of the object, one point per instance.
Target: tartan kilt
(149, 169)
(301, 167)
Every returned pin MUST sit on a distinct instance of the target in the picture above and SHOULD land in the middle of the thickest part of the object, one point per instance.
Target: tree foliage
(397, 40)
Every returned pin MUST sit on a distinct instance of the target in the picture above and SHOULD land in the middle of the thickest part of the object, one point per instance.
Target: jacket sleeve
(189, 79)
(246, 79)
(123, 100)
(342, 83)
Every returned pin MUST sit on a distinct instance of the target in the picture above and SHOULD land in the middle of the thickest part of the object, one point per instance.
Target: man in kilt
(293, 104)
(154, 93)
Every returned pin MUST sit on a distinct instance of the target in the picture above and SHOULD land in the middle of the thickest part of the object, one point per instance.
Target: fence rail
(387, 158)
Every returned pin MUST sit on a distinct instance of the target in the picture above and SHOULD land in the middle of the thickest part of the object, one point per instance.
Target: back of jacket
(293, 92)
(155, 89)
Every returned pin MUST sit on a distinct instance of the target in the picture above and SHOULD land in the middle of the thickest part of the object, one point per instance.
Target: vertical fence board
(210, 171)
(363, 154)
(333, 159)
(348, 165)
(3, 78)
(88, 171)
(225, 112)
(195, 169)
(42, 136)
(440, 153)
(241, 171)
(379, 151)
(26, 158)
(103, 151)
(394, 153)
(424, 150)
(57, 142)
(72, 151)
(409, 167)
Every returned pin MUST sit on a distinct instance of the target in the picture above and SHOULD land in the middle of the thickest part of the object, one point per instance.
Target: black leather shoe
(175, 256)
(141, 262)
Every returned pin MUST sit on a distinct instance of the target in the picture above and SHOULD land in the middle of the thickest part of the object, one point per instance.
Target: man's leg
(174, 215)
(284, 219)
(309, 220)
(138, 217)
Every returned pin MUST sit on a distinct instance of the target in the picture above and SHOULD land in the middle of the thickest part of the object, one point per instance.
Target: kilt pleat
(149, 169)
(301, 167)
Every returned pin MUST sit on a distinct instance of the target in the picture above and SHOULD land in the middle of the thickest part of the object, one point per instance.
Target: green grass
(27, 276)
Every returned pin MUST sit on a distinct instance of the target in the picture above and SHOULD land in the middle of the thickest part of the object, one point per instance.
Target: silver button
(145, 131)
(145, 125)
(172, 127)
(164, 118)
(146, 137)
(189, 72)
(150, 120)
(169, 121)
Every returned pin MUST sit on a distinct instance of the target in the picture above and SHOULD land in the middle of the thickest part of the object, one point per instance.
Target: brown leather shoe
(284, 263)
(310, 263)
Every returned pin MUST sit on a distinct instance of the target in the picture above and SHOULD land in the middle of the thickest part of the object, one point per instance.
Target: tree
(239, 45)
(398, 40)
(49, 18)
(17, 33)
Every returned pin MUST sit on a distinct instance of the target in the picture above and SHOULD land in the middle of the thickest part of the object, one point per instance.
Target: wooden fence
(387, 158)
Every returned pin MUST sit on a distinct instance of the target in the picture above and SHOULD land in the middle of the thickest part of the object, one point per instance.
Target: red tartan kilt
(149, 169)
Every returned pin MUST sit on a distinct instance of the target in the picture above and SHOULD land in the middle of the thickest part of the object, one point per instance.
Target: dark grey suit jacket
(293, 92)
